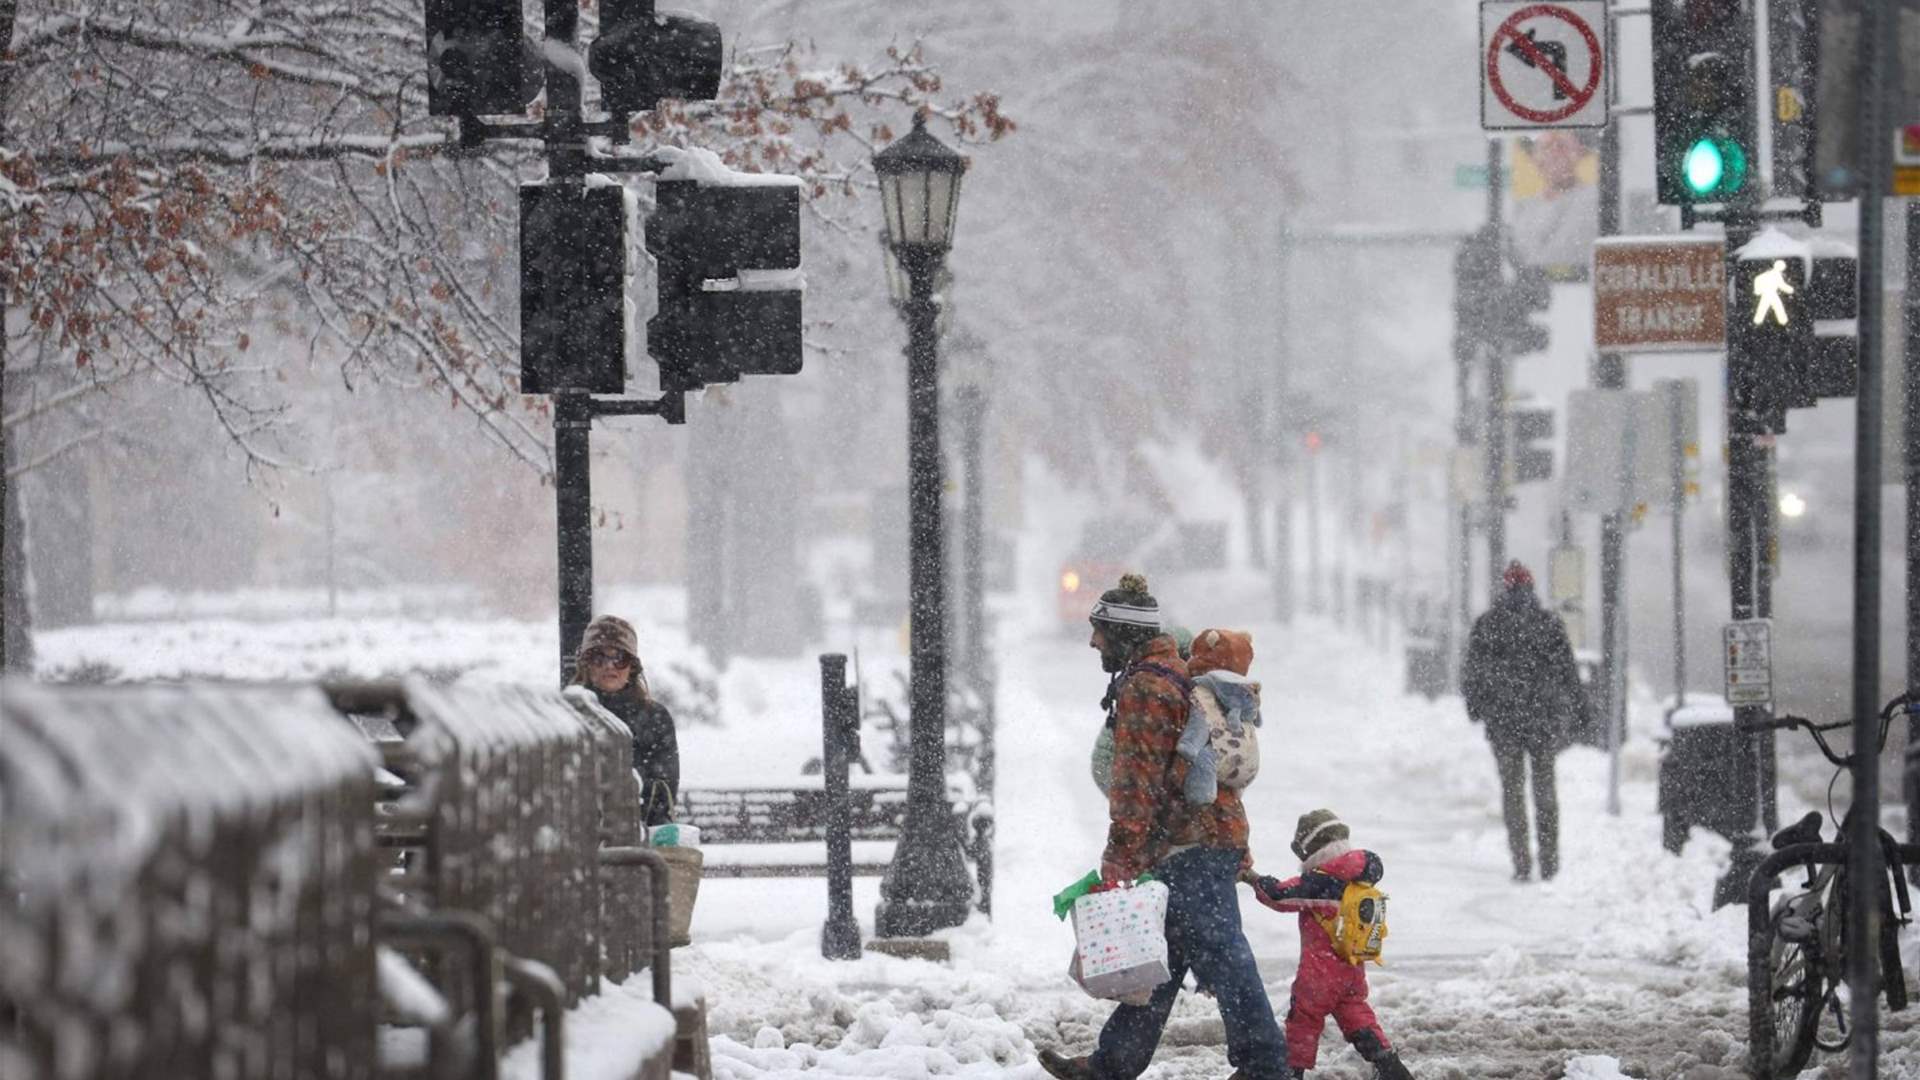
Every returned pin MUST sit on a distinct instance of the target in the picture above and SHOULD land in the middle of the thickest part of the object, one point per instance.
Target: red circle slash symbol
(1528, 48)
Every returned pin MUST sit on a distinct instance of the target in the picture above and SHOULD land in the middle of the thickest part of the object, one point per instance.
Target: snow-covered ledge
(616, 1034)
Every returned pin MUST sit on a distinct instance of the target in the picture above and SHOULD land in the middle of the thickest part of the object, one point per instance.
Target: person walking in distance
(1521, 683)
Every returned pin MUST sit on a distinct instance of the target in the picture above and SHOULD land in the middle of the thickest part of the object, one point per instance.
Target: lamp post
(926, 887)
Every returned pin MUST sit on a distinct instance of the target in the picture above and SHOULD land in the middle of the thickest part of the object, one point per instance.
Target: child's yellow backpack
(1359, 928)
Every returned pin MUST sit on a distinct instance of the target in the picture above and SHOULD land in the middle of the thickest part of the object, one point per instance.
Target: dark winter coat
(656, 750)
(1520, 679)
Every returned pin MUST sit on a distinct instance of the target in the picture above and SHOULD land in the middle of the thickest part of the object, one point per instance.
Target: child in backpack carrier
(1342, 921)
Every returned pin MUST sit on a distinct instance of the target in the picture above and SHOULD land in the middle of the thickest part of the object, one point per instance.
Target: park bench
(757, 830)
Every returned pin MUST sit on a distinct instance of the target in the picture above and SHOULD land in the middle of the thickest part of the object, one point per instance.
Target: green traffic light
(1714, 167)
(1704, 167)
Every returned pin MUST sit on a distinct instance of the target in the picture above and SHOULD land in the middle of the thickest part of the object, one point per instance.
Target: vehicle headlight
(1070, 581)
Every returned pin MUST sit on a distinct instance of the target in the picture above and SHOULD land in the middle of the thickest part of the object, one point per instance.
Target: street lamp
(926, 887)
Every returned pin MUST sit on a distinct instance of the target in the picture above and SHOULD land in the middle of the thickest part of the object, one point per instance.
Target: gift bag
(1120, 942)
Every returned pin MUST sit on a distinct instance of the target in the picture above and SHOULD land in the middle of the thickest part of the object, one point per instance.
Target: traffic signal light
(1490, 309)
(1525, 428)
(1769, 332)
(476, 58)
(641, 57)
(727, 260)
(1703, 111)
(573, 269)
(1832, 367)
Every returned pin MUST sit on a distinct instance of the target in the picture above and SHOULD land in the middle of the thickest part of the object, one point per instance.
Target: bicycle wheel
(1831, 1031)
(1796, 983)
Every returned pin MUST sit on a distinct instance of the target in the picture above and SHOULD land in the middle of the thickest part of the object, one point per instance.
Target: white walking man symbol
(1770, 286)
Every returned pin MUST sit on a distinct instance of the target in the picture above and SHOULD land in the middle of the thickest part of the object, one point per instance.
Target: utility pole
(1676, 391)
(1910, 383)
(1494, 431)
(1285, 438)
(1610, 373)
(1864, 857)
(1748, 437)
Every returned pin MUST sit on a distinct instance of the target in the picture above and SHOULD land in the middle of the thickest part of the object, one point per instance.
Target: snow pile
(1595, 1067)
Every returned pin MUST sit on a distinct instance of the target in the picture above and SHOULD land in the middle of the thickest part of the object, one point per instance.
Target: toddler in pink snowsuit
(1325, 984)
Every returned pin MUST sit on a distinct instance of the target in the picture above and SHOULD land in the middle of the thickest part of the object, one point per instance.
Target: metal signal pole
(1864, 856)
(1494, 434)
(1610, 373)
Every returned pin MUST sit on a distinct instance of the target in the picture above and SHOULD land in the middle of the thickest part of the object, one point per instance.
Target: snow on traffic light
(726, 247)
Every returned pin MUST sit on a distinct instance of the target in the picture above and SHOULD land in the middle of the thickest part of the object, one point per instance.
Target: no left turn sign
(1543, 65)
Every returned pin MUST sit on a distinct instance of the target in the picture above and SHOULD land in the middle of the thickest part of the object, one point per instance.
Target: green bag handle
(1064, 899)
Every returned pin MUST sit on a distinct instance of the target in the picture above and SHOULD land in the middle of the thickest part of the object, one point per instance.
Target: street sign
(1659, 293)
(1906, 161)
(1620, 449)
(1543, 65)
(1749, 661)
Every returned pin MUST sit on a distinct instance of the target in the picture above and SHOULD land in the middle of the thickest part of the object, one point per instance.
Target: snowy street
(1618, 957)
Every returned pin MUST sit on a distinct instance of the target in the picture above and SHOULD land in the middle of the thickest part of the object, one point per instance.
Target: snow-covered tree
(181, 179)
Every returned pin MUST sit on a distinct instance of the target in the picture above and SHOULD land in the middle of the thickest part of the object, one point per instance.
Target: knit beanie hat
(1217, 650)
(1517, 576)
(610, 632)
(1129, 612)
(1316, 830)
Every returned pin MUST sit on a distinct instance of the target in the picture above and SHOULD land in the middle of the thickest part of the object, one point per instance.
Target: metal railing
(194, 881)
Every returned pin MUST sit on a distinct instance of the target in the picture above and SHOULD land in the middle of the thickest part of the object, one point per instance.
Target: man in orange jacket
(1196, 850)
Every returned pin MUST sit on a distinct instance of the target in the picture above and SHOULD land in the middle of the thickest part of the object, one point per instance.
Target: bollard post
(839, 728)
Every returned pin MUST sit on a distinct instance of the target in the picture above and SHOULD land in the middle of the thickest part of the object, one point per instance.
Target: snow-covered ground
(1618, 967)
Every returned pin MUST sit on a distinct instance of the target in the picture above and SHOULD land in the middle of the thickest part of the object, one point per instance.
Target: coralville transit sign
(1659, 293)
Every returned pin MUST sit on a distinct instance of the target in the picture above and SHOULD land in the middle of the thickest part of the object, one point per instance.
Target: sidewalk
(1620, 956)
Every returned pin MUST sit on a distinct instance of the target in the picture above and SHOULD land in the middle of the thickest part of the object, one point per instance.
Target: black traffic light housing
(1489, 308)
(727, 260)
(573, 272)
(477, 60)
(1769, 332)
(1526, 428)
(1831, 368)
(1773, 365)
(1703, 108)
(641, 58)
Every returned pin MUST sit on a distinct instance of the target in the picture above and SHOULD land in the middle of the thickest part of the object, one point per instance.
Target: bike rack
(1760, 1033)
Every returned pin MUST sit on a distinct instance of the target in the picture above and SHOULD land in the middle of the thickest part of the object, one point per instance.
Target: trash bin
(1702, 781)
(1426, 666)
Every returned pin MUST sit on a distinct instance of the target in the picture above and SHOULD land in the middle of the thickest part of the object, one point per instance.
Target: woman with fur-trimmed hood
(608, 663)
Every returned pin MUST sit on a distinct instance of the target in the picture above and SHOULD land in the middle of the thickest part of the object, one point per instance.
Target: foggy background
(1149, 343)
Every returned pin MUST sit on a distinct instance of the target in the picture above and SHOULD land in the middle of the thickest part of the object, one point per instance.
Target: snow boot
(1388, 1067)
(1065, 1068)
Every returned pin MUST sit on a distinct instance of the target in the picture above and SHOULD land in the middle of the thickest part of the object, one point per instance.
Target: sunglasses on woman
(607, 658)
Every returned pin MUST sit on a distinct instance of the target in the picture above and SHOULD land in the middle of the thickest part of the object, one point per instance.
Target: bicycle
(1808, 955)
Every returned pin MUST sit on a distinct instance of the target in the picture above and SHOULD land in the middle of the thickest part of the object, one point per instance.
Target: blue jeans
(1203, 933)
